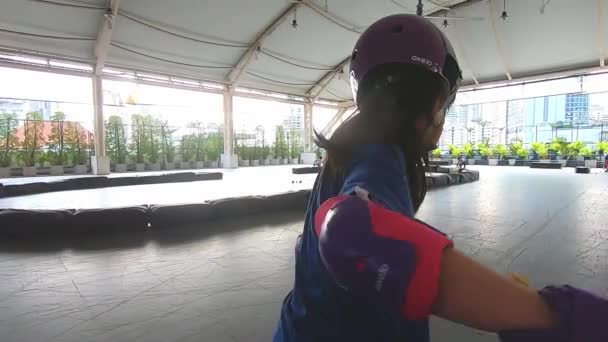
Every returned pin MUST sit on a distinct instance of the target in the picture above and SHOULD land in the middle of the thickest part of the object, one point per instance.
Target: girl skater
(366, 270)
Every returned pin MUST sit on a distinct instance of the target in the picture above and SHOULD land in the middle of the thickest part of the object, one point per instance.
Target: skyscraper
(577, 108)
(295, 119)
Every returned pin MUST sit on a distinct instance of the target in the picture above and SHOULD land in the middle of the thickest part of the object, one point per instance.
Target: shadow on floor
(165, 236)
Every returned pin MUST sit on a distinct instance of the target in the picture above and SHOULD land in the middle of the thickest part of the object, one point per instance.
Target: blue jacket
(317, 309)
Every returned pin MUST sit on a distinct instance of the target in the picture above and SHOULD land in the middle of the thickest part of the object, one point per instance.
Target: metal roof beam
(104, 36)
(245, 60)
(322, 84)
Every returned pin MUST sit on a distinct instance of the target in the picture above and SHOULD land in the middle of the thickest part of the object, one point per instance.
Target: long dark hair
(390, 98)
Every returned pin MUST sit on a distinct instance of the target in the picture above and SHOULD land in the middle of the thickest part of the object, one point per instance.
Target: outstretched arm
(398, 263)
(474, 295)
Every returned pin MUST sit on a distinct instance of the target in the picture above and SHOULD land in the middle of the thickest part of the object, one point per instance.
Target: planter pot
(29, 171)
(512, 162)
(285, 161)
(481, 162)
(255, 163)
(121, 168)
(493, 162)
(563, 162)
(140, 167)
(274, 162)
(503, 162)
(454, 161)
(295, 161)
(46, 164)
(198, 164)
(266, 161)
(80, 169)
(211, 164)
(169, 166)
(153, 167)
(5, 172)
(56, 170)
(244, 163)
(591, 163)
(545, 160)
(184, 165)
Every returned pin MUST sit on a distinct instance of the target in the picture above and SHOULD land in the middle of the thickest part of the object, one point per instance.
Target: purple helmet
(406, 39)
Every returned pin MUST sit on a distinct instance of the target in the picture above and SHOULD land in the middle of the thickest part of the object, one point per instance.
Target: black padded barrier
(38, 223)
(11, 190)
(582, 169)
(109, 220)
(305, 170)
(170, 216)
(545, 165)
(83, 183)
(33, 223)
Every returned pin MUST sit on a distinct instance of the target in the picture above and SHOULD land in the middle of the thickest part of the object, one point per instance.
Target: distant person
(365, 268)
(606, 163)
(462, 162)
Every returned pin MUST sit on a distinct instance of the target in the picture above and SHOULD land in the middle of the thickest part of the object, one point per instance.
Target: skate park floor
(226, 282)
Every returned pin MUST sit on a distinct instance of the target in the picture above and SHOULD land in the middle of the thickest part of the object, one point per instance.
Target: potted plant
(485, 151)
(436, 154)
(501, 151)
(468, 151)
(280, 145)
(574, 150)
(56, 151)
(455, 152)
(588, 155)
(187, 150)
(541, 152)
(138, 141)
(522, 155)
(561, 147)
(514, 147)
(213, 147)
(295, 148)
(79, 142)
(31, 145)
(8, 142)
(602, 148)
(255, 154)
(153, 143)
(167, 145)
(116, 142)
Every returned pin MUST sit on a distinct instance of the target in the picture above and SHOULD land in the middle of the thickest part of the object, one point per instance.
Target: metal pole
(229, 160)
(99, 127)
(308, 128)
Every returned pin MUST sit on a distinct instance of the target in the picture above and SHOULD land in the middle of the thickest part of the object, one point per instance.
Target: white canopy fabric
(301, 47)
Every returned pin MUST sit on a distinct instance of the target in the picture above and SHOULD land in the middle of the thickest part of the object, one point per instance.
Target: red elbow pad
(381, 255)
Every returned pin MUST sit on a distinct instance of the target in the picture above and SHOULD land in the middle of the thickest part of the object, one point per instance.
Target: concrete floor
(225, 282)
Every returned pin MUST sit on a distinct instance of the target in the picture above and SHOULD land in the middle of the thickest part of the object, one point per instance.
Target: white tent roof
(207, 39)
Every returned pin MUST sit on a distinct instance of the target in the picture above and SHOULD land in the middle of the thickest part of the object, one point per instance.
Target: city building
(577, 108)
(294, 120)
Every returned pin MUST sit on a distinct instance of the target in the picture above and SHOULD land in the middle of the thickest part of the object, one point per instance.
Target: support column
(308, 156)
(229, 159)
(100, 162)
